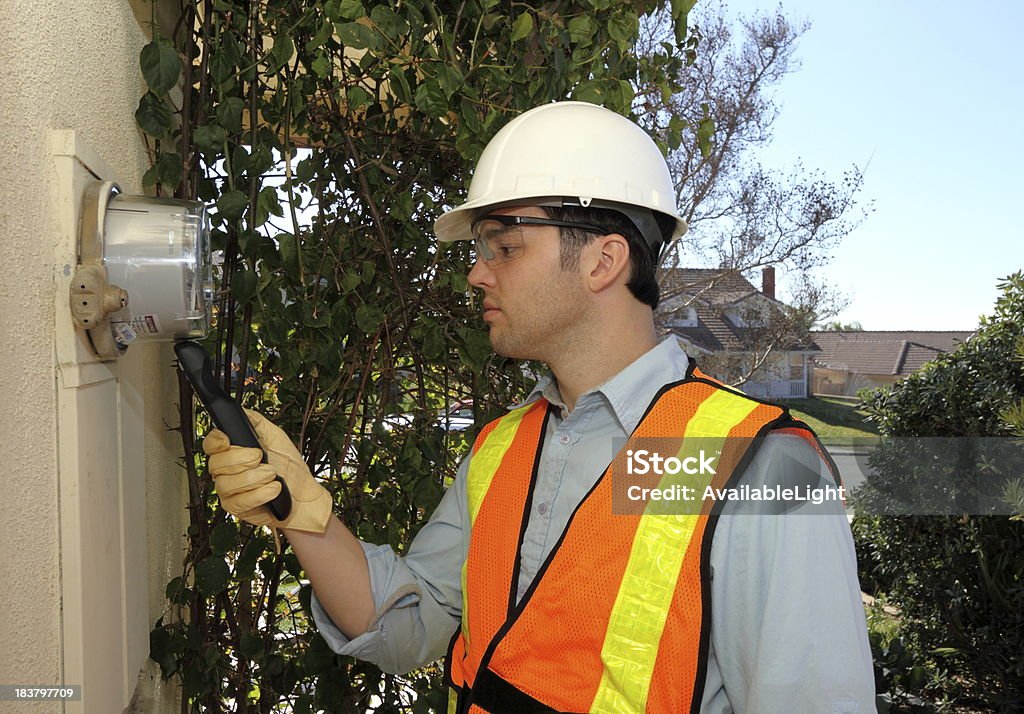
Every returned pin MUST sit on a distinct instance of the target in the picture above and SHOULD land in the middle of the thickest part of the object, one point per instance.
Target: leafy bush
(957, 580)
(328, 136)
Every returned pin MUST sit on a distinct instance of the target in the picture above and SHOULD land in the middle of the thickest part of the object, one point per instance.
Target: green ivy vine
(327, 137)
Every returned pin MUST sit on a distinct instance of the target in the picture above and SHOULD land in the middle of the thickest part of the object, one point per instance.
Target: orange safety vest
(617, 619)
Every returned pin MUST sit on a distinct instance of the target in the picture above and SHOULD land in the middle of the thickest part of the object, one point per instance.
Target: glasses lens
(497, 243)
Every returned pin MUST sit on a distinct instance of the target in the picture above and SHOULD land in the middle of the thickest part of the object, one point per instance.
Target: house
(734, 330)
(849, 361)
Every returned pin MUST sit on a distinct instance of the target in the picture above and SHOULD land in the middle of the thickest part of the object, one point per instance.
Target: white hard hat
(570, 153)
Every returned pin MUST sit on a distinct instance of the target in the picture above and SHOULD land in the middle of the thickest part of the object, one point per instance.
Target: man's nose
(481, 274)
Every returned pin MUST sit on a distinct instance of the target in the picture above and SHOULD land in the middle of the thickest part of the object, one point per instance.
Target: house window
(734, 317)
(685, 317)
(796, 365)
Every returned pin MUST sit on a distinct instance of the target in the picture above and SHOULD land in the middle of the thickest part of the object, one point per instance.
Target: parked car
(458, 416)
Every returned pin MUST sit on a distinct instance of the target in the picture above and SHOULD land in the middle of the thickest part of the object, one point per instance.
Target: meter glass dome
(158, 250)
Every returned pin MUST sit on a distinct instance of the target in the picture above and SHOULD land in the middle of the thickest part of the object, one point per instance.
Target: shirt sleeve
(787, 622)
(418, 597)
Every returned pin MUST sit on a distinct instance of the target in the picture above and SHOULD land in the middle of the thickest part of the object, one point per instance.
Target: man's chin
(502, 348)
(502, 351)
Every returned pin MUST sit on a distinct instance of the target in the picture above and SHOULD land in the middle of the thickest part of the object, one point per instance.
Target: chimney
(768, 281)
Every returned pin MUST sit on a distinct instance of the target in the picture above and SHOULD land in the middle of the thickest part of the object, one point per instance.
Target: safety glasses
(499, 239)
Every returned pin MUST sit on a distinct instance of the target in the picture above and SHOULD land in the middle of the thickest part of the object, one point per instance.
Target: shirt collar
(631, 391)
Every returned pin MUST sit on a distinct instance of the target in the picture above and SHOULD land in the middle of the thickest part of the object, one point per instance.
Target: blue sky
(931, 93)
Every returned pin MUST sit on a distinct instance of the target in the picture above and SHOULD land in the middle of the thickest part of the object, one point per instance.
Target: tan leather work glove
(245, 485)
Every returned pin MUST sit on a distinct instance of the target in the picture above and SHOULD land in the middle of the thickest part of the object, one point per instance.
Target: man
(546, 592)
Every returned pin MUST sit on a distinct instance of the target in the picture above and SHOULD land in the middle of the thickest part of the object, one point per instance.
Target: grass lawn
(835, 421)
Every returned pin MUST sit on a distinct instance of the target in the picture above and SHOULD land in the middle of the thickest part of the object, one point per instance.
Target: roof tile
(888, 352)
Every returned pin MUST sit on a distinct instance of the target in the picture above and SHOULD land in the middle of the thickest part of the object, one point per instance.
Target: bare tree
(742, 215)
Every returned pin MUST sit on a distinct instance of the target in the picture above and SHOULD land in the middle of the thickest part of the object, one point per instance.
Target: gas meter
(144, 270)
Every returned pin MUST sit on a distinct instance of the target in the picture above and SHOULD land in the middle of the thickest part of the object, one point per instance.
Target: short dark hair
(642, 283)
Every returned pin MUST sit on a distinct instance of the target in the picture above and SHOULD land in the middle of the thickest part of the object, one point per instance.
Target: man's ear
(607, 261)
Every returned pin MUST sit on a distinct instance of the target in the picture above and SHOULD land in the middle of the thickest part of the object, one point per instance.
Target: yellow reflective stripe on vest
(719, 413)
(485, 462)
(483, 465)
(649, 583)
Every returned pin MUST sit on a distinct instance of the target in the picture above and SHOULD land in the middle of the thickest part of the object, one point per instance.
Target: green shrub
(957, 580)
(327, 137)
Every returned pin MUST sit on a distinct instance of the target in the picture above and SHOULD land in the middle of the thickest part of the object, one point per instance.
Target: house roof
(713, 286)
(894, 353)
(711, 292)
(713, 333)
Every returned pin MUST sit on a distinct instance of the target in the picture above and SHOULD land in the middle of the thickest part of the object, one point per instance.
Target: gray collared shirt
(787, 625)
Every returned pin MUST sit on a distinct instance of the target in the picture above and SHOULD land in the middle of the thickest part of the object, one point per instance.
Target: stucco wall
(64, 66)
(846, 383)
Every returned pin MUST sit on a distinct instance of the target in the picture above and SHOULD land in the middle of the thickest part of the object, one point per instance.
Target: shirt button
(563, 438)
(542, 509)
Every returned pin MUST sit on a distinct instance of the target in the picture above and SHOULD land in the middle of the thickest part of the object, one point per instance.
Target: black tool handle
(227, 414)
